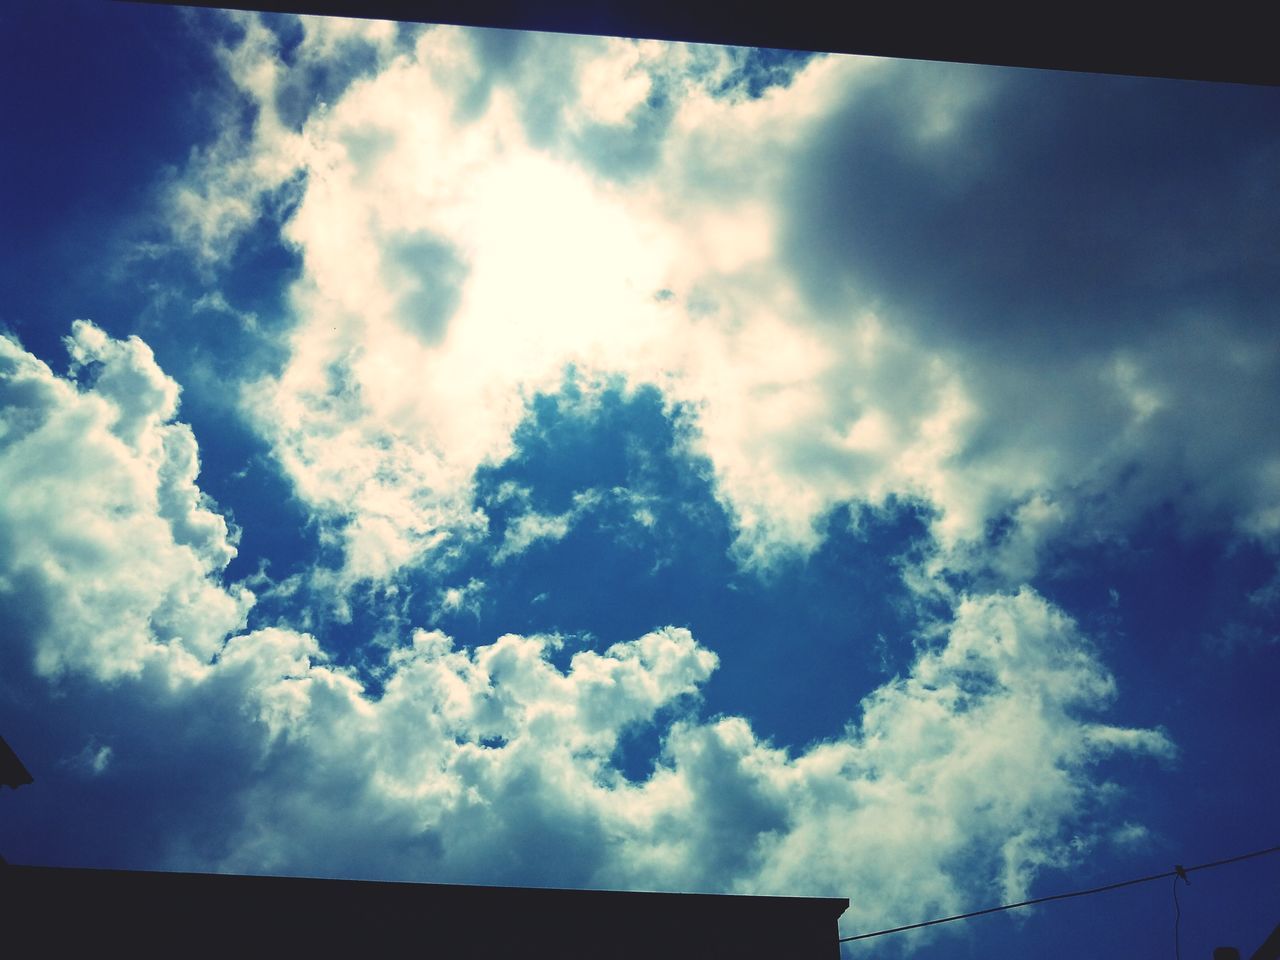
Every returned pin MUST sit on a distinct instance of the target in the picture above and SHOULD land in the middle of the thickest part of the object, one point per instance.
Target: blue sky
(467, 456)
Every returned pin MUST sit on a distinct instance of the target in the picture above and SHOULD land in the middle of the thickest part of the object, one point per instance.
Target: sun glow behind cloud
(667, 278)
(827, 284)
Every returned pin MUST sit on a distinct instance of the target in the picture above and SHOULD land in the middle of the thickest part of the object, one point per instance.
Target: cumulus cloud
(470, 224)
(808, 270)
(972, 771)
(805, 260)
(101, 519)
(974, 758)
(958, 782)
(812, 272)
(470, 762)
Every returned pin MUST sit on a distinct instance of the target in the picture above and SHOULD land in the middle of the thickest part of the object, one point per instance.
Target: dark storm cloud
(1051, 211)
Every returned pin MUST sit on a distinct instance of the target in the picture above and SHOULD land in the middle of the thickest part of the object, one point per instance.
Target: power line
(1176, 872)
(1177, 913)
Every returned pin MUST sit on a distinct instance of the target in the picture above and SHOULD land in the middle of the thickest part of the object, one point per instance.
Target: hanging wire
(1178, 872)
(1177, 922)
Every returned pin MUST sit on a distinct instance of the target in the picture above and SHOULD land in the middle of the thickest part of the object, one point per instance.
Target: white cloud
(458, 252)
(978, 750)
(1131, 836)
(615, 84)
(531, 527)
(467, 597)
(381, 422)
(457, 259)
(971, 773)
(101, 516)
(464, 754)
(958, 783)
(227, 182)
(92, 761)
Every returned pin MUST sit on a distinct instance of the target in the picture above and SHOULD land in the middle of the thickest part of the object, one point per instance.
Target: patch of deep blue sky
(799, 644)
(95, 130)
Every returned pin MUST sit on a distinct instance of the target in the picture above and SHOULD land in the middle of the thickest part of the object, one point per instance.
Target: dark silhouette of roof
(1270, 949)
(12, 772)
(1232, 45)
(180, 914)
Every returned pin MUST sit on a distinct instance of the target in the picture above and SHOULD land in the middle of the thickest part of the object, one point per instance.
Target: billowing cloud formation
(973, 758)
(109, 546)
(493, 763)
(811, 274)
(571, 318)
(431, 235)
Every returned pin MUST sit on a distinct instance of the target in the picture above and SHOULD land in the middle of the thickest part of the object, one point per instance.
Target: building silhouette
(52, 911)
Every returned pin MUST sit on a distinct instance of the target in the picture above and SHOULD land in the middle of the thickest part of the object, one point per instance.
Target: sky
(469, 456)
